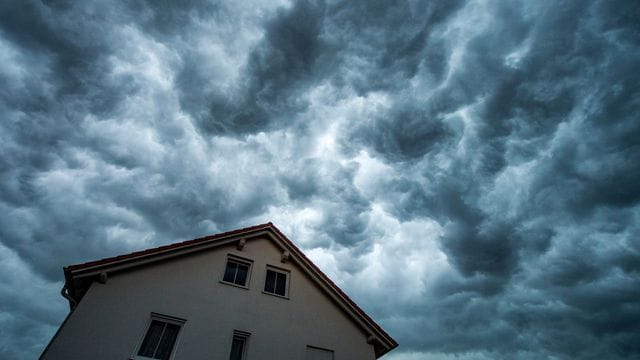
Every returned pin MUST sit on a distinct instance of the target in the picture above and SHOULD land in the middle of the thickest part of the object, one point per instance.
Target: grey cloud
(581, 181)
(387, 42)
(30, 330)
(513, 126)
(279, 70)
(345, 210)
(405, 133)
(68, 47)
(304, 182)
(46, 131)
(481, 247)
(165, 19)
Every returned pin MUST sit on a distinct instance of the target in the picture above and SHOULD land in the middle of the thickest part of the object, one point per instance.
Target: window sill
(234, 285)
(276, 295)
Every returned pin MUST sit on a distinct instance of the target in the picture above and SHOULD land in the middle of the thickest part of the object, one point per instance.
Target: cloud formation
(465, 169)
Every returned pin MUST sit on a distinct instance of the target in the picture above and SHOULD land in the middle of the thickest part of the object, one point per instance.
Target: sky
(466, 170)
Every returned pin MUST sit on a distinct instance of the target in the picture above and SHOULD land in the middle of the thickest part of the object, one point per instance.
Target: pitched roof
(89, 271)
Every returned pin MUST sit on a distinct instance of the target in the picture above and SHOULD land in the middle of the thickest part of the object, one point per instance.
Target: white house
(246, 294)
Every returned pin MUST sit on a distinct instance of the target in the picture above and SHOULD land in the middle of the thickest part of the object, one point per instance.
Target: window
(239, 345)
(160, 339)
(236, 272)
(276, 282)
(316, 353)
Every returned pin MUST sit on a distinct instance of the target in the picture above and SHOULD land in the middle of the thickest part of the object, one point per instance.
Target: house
(246, 294)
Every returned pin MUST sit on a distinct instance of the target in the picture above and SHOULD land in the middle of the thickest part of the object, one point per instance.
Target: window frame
(244, 336)
(241, 261)
(164, 319)
(332, 352)
(277, 270)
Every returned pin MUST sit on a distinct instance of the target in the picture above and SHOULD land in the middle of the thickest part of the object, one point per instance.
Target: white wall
(111, 319)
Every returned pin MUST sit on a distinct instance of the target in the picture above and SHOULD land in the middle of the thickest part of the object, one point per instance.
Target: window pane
(241, 277)
(237, 347)
(230, 271)
(151, 339)
(167, 341)
(281, 283)
(270, 283)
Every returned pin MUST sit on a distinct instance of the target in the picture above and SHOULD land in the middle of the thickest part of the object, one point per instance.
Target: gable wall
(111, 318)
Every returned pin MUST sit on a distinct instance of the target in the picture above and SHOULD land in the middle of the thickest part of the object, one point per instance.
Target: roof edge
(390, 342)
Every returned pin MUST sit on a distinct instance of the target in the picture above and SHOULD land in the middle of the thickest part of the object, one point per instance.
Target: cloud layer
(467, 170)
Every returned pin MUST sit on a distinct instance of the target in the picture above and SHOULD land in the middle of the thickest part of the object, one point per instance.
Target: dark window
(238, 345)
(236, 273)
(276, 283)
(159, 340)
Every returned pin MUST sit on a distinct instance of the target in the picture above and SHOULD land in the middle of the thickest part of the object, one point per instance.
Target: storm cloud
(466, 170)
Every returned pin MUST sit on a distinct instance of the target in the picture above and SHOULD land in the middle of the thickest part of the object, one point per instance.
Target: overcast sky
(468, 171)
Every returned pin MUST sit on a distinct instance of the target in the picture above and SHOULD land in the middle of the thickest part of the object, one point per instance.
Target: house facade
(247, 294)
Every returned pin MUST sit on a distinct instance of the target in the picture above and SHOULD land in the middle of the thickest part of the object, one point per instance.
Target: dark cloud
(541, 110)
(476, 160)
(292, 57)
(388, 42)
(405, 133)
(166, 19)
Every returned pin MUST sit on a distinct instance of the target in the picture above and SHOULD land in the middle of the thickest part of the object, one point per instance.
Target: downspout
(65, 294)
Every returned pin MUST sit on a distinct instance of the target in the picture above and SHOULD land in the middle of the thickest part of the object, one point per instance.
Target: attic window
(160, 338)
(276, 282)
(236, 272)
